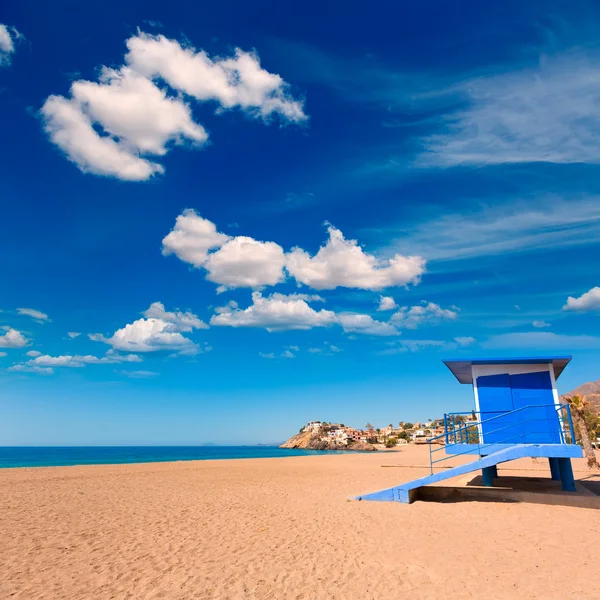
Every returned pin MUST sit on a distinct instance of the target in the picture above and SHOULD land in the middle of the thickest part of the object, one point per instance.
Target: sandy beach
(279, 529)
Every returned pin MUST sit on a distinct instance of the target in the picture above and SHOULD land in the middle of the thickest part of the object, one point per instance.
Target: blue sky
(222, 222)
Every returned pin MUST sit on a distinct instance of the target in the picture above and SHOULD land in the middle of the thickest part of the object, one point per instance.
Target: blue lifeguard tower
(517, 414)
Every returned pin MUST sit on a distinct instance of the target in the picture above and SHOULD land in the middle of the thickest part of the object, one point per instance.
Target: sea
(54, 456)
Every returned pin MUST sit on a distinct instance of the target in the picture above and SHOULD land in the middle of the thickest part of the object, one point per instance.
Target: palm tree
(368, 426)
(578, 406)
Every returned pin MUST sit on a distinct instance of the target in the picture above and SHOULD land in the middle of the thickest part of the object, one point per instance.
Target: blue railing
(458, 430)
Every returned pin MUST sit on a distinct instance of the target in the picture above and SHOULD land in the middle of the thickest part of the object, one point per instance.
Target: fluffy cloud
(73, 334)
(276, 312)
(237, 81)
(245, 262)
(34, 314)
(427, 312)
(183, 321)
(232, 262)
(12, 339)
(192, 238)
(33, 353)
(365, 324)
(343, 263)
(3, 354)
(8, 35)
(160, 330)
(138, 119)
(386, 303)
(588, 301)
(540, 324)
(279, 312)
(242, 261)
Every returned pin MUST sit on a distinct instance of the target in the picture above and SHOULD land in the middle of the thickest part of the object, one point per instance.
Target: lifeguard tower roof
(462, 368)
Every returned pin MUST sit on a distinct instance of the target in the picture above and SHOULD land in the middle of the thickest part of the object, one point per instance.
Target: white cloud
(45, 364)
(146, 335)
(276, 312)
(131, 108)
(242, 261)
(3, 354)
(112, 126)
(73, 132)
(427, 312)
(315, 350)
(232, 262)
(34, 314)
(183, 321)
(8, 35)
(287, 354)
(73, 334)
(231, 305)
(540, 324)
(155, 333)
(465, 341)
(31, 369)
(138, 374)
(547, 113)
(365, 324)
(238, 81)
(245, 262)
(543, 340)
(137, 119)
(269, 355)
(192, 238)
(279, 312)
(588, 301)
(343, 263)
(12, 339)
(386, 303)
(77, 361)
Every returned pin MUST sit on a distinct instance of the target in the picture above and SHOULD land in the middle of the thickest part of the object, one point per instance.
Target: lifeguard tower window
(537, 421)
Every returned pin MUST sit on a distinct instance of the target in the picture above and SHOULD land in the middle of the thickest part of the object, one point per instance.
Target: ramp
(559, 454)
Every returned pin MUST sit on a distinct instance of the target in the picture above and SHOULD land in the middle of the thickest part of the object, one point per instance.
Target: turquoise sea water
(33, 456)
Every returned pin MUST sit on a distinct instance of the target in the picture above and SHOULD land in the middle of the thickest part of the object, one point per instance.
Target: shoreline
(293, 453)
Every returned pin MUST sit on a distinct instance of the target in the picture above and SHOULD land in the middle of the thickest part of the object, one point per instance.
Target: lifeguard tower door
(536, 423)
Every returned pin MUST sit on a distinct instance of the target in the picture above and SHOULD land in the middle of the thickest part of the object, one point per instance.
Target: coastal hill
(590, 391)
(320, 436)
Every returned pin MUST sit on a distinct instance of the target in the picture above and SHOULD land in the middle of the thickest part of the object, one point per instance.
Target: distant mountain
(591, 392)
(591, 387)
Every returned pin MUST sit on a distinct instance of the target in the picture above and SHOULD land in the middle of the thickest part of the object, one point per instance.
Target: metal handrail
(464, 427)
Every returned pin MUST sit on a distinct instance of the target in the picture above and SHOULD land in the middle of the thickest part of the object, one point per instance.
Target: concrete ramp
(559, 454)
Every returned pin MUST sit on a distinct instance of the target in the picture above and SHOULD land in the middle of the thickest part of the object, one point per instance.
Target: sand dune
(279, 529)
